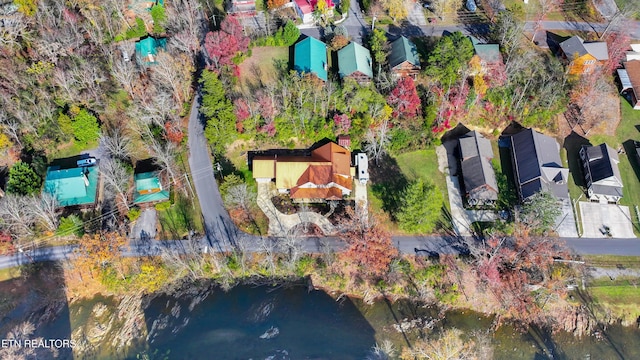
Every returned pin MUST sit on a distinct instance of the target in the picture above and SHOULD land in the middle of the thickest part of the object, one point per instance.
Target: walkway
(281, 224)
(462, 219)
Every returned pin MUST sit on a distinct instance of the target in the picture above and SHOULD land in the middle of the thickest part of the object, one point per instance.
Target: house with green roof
(354, 61)
(76, 186)
(147, 49)
(149, 188)
(403, 58)
(488, 55)
(310, 57)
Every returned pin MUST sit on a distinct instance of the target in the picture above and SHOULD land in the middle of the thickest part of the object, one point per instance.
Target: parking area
(606, 220)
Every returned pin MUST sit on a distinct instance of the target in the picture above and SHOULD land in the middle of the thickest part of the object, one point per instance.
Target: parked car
(471, 5)
(86, 162)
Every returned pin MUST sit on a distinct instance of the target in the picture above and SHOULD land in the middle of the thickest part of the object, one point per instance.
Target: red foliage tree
(451, 106)
(617, 44)
(226, 43)
(404, 99)
(342, 122)
(173, 133)
(6, 244)
(267, 110)
(370, 248)
(243, 112)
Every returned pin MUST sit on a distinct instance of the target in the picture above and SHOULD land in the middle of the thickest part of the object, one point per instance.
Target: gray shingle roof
(538, 165)
(477, 172)
(575, 45)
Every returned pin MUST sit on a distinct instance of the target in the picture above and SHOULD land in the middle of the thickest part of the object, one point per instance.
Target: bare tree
(268, 248)
(116, 179)
(44, 208)
(124, 73)
(291, 246)
(116, 144)
(240, 195)
(377, 141)
(174, 73)
(16, 215)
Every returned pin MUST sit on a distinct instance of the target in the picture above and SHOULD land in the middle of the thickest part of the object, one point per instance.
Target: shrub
(134, 214)
(69, 225)
(163, 206)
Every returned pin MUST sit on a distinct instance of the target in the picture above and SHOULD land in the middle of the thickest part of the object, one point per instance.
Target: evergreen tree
(23, 180)
(420, 209)
(449, 57)
(218, 112)
(85, 127)
(290, 34)
(540, 211)
(378, 45)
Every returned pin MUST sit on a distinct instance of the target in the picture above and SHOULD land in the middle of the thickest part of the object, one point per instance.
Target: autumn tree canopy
(404, 99)
(223, 45)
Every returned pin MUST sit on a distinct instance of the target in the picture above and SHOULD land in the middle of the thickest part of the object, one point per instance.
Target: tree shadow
(405, 29)
(543, 340)
(36, 296)
(573, 143)
(388, 183)
(633, 156)
(553, 41)
(256, 321)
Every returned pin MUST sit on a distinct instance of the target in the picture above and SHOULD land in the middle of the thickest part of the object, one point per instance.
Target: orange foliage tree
(370, 248)
(274, 4)
(96, 252)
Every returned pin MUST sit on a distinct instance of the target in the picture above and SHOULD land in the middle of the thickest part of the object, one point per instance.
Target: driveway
(596, 216)
(566, 222)
(416, 14)
(461, 217)
(144, 228)
(281, 224)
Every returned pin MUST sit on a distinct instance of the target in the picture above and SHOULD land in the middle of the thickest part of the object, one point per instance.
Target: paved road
(410, 30)
(219, 229)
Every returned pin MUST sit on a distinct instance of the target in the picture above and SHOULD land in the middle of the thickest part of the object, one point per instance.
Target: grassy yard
(260, 67)
(620, 298)
(627, 131)
(422, 164)
(393, 175)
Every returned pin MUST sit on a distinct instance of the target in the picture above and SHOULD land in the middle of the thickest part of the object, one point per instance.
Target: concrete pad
(416, 13)
(566, 222)
(596, 216)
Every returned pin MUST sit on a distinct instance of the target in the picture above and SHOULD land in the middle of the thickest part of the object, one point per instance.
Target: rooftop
(310, 56)
(74, 186)
(575, 45)
(354, 57)
(403, 50)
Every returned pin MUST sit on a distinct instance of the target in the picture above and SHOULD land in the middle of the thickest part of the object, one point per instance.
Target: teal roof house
(149, 188)
(354, 61)
(147, 50)
(73, 187)
(310, 56)
(403, 58)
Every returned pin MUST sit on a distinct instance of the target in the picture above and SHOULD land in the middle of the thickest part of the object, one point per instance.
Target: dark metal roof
(602, 164)
(537, 164)
(477, 172)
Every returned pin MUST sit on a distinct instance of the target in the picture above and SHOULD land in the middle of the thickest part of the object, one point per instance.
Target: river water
(297, 324)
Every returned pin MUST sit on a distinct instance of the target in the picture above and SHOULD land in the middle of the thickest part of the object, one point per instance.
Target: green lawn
(627, 131)
(422, 164)
(260, 67)
(621, 300)
(389, 180)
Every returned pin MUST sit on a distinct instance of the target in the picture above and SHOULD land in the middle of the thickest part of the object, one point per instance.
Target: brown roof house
(583, 57)
(403, 58)
(323, 174)
(630, 81)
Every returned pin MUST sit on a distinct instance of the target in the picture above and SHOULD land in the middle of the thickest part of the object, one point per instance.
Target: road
(358, 28)
(220, 231)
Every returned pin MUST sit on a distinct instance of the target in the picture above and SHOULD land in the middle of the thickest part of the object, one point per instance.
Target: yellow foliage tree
(95, 252)
(27, 7)
(396, 9)
(274, 4)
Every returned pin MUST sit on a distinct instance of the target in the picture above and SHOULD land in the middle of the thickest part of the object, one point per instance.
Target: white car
(86, 162)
